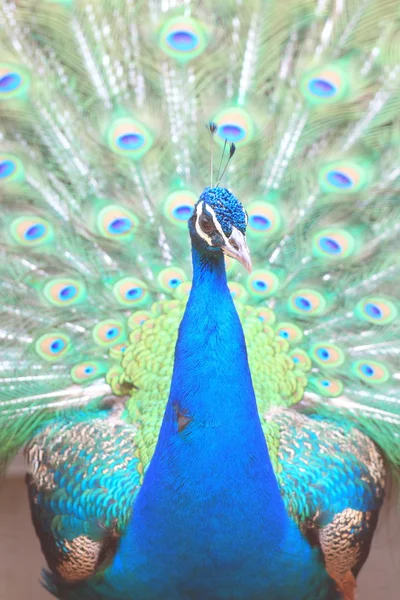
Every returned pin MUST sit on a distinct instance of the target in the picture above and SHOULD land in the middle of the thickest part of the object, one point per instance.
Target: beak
(236, 247)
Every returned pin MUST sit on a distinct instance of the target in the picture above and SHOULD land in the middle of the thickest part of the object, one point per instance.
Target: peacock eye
(206, 223)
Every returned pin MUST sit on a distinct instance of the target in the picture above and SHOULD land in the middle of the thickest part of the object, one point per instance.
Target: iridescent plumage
(133, 457)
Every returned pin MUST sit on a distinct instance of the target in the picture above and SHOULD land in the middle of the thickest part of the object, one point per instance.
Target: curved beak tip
(244, 259)
(237, 249)
(247, 264)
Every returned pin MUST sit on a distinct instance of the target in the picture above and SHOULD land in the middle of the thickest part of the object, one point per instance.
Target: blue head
(219, 225)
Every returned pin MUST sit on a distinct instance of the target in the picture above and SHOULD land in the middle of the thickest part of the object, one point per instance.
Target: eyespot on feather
(31, 231)
(114, 378)
(234, 125)
(87, 371)
(130, 291)
(117, 351)
(14, 81)
(183, 290)
(377, 310)
(307, 302)
(333, 244)
(371, 371)
(230, 264)
(344, 177)
(127, 137)
(327, 387)
(109, 332)
(326, 84)
(238, 291)
(170, 278)
(11, 169)
(117, 223)
(52, 346)
(64, 292)
(290, 332)
(262, 283)
(178, 207)
(266, 315)
(138, 318)
(264, 219)
(327, 355)
(183, 38)
(301, 359)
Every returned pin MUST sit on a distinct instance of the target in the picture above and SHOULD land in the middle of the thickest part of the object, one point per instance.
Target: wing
(83, 476)
(332, 479)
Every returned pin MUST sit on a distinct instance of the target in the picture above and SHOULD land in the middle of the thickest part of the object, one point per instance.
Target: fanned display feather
(103, 154)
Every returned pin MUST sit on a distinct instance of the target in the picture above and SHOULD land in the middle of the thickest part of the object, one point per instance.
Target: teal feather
(103, 154)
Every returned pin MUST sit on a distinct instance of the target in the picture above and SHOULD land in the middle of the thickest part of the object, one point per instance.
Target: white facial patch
(217, 225)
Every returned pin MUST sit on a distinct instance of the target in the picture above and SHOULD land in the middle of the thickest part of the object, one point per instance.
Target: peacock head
(218, 224)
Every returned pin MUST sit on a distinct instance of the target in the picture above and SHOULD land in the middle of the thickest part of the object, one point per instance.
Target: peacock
(195, 427)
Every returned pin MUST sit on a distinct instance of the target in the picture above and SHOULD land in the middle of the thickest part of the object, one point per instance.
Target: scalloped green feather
(148, 360)
(109, 332)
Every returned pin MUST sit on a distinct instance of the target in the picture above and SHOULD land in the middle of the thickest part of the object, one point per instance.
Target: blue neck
(212, 408)
(209, 497)
(211, 381)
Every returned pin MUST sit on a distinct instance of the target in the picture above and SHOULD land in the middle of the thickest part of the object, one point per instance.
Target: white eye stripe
(215, 220)
(200, 232)
(216, 223)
